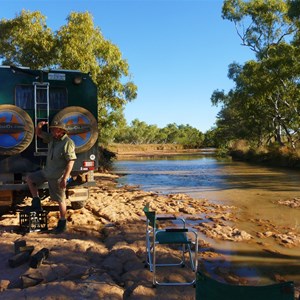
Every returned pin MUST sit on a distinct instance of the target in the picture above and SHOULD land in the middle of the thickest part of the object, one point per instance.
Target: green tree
(112, 125)
(161, 137)
(260, 24)
(189, 137)
(294, 11)
(294, 15)
(264, 103)
(170, 132)
(210, 138)
(27, 41)
(141, 133)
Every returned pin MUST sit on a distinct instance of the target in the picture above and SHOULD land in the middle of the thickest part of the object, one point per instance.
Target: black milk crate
(31, 221)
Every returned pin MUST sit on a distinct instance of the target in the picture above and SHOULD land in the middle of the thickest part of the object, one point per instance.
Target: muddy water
(254, 191)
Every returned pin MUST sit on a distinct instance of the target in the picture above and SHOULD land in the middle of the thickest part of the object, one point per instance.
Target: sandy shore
(102, 254)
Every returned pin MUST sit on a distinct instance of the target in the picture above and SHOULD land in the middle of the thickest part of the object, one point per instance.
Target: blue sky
(178, 51)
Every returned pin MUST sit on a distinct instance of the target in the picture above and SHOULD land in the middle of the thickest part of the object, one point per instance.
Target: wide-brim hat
(59, 124)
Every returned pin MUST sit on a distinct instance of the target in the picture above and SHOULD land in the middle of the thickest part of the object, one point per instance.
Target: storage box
(31, 221)
(78, 197)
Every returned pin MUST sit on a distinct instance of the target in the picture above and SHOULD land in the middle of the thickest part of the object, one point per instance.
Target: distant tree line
(138, 132)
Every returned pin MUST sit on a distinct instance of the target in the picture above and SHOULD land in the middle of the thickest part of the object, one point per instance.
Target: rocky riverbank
(102, 254)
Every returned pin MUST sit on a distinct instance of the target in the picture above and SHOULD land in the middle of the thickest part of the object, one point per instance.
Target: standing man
(60, 161)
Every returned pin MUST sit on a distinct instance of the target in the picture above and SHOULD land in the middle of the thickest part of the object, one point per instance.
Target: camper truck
(30, 96)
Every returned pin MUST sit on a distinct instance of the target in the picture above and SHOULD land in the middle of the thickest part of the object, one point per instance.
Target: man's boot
(61, 226)
(36, 203)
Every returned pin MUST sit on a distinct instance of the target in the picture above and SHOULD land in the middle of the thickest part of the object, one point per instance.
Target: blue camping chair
(211, 289)
(183, 237)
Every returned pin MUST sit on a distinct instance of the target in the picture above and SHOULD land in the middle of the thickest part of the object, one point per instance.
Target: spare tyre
(16, 129)
(81, 125)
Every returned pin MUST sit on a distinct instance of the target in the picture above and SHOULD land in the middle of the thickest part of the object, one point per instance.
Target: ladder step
(41, 87)
(40, 153)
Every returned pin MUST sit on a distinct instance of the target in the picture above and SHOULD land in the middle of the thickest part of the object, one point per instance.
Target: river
(254, 190)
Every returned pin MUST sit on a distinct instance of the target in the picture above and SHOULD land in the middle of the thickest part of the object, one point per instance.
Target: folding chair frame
(169, 236)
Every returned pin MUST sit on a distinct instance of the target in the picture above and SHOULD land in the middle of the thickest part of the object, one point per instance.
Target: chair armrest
(170, 218)
(176, 230)
(165, 218)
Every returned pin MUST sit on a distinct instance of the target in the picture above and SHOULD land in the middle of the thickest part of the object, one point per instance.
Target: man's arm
(38, 129)
(67, 173)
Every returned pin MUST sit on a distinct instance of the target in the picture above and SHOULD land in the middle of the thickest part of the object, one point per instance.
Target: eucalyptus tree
(260, 24)
(294, 11)
(139, 132)
(27, 41)
(294, 15)
(210, 139)
(170, 132)
(189, 137)
(266, 93)
(82, 46)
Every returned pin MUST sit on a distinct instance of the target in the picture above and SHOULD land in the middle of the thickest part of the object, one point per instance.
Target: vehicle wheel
(16, 129)
(81, 125)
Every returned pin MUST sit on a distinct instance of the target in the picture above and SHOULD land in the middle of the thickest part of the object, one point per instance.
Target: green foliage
(294, 11)
(264, 105)
(294, 15)
(27, 41)
(260, 24)
(274, 155)
(189, 137)
(210, 138)
(141, 133)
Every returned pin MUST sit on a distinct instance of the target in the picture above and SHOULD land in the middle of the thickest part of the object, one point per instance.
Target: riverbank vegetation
(140, 132)
(273, 155)
(259, 120)
(263, 106)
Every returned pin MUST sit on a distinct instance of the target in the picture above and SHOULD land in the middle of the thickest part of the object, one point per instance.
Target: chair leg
(183, 256)
(191, 258)
(193, 265)
(149, 261)
(154, 265)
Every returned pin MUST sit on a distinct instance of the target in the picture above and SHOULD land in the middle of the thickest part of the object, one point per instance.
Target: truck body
(30, 96)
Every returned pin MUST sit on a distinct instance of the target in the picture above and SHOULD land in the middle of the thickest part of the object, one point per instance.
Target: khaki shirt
(60, 152)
